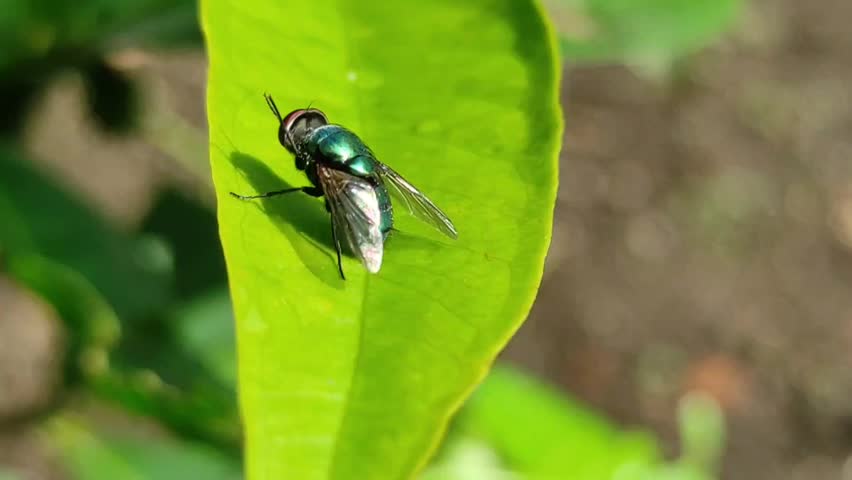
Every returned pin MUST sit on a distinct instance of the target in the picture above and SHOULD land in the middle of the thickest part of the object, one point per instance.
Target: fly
(355, 184)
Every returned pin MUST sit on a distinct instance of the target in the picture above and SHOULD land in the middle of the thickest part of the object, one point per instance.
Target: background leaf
(133, 274)
(40, 38)
(8, 475)
(91, 322)
(517, 427)
(103, 282)
(191, 231)
(702, 430)
(90, 452)
(638, 31)
(205, 327)
(181, 371)
(467, 459)
(357, 379)
(545, 434)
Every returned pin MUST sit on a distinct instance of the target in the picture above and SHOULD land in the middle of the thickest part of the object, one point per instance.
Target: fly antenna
(271, 103)
(309, 105)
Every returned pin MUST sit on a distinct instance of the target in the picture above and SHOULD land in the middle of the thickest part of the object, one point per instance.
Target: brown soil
(704, 240)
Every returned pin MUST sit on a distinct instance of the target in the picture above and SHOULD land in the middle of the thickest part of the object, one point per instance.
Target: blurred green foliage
(644, 33)
(41, 38)
(147, 313)
(6, 474)
(91, 452)
(78, 304)
(133, 273)
(549, 434)
(516, 427)
(111, 95)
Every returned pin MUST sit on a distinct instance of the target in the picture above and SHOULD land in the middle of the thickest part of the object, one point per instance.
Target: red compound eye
(291, 118)
(313, 116)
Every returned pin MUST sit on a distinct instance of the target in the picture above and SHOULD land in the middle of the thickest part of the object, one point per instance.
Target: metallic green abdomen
(339, 148)
(386, 208)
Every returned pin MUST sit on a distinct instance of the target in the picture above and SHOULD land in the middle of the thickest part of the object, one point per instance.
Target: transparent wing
(417, 203)
(355, 213)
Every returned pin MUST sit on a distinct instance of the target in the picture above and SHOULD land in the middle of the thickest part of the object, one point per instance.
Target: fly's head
(295, 126)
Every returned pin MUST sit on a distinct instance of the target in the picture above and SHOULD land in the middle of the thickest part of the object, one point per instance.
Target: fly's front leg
(312, 191)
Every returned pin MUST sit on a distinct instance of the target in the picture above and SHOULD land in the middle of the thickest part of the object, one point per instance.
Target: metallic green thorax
(339, 148)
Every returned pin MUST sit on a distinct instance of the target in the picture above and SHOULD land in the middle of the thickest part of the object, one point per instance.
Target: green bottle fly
(354, 183)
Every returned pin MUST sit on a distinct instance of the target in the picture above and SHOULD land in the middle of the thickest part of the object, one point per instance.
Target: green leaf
(91, 323)
(205, 328)
(191, 231)
(673, 471)
(94, 276)
(200, 412)
(95, 453)
(182, 371)
(358, 379)
(39, 31)
(468, 459)
(200, 403)
(8, 474)
(133, 274)
(543, 434)
(639, 31)
(702, 430)
(39, 39)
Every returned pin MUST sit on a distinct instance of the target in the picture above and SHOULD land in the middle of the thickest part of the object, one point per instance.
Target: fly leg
(312, 191)
(337, 248)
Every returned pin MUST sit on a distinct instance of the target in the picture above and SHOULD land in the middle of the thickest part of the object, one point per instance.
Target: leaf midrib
(347, 397)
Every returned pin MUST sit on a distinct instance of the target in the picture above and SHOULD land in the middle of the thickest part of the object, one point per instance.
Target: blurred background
(702, 241)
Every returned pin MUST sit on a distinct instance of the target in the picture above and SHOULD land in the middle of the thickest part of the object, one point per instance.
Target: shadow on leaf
(304, 213)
